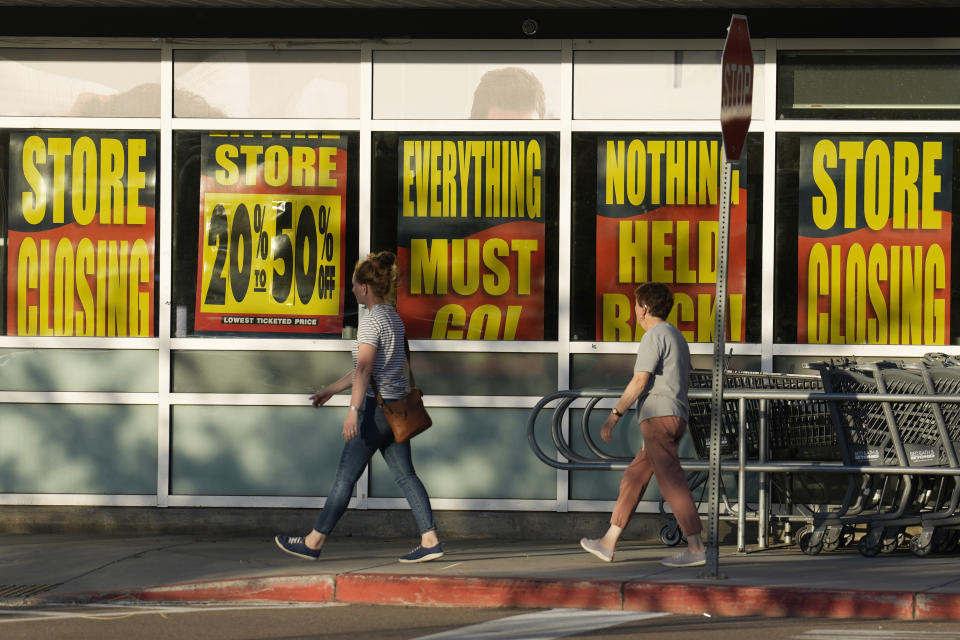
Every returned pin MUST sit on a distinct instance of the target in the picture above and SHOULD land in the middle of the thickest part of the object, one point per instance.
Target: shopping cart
(939, 531)
(881, 433)
(795, 429)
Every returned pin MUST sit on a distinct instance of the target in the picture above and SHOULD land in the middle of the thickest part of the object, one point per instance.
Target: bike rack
(569, 460)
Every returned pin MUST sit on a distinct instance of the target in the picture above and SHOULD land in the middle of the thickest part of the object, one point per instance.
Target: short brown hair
(656, 297)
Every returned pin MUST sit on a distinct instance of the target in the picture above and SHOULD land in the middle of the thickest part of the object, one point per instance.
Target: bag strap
(373, 381)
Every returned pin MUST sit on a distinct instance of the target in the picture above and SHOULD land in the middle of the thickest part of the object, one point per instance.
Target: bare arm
(366, 357)
(635, 387)
(320, 397)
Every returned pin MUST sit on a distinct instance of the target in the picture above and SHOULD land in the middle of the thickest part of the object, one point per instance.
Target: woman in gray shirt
(661, 376)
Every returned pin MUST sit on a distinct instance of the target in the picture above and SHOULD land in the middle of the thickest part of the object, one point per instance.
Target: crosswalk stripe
(542, 625)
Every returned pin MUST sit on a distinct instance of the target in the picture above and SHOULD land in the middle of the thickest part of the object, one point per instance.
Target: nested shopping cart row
(905, 434)
(863, 429)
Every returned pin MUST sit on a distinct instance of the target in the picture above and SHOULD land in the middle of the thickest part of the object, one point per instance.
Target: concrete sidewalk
(58, 569)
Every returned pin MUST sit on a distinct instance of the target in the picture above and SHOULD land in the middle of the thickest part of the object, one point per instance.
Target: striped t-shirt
(383, 328)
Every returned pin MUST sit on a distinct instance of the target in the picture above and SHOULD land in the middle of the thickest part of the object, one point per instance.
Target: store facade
(181, 215)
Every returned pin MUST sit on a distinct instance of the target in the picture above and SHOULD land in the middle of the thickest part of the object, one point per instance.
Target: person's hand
(320, 397)
(606, 432)
(351, 426)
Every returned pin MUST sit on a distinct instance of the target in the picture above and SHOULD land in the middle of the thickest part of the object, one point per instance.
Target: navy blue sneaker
(423, 554)
(297, 547)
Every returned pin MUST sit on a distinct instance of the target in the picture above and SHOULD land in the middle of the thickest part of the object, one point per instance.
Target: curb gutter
(419, 590)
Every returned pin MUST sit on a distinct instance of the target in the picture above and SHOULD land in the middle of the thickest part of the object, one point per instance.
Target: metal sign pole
(719, 337)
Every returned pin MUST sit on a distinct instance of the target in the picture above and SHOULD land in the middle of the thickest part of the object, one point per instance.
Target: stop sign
(736, 87)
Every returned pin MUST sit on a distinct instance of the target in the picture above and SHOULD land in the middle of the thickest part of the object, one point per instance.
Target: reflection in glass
(266, 84)
(508, 93)
(80, 82)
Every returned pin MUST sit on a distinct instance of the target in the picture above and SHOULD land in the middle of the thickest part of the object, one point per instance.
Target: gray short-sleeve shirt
(665, 355)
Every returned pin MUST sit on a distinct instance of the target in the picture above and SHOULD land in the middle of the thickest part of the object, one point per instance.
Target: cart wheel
(869, 544)
(809, 543)
(846, 537)
(670, 535)
(944, 540)
(867, 549)
(889, 544)
(832, 538)
(937, 541)
(922, 544)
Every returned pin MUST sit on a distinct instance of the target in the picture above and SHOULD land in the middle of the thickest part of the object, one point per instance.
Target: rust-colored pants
(658, 458)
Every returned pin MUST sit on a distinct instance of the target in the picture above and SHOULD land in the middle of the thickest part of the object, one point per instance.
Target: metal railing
(589, 399)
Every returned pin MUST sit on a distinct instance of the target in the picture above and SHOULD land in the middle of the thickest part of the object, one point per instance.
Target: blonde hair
(379, 272)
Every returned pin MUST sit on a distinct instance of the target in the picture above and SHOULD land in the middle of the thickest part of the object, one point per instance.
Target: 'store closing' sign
(736, 92)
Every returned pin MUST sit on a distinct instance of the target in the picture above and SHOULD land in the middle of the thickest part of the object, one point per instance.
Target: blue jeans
(375, 434)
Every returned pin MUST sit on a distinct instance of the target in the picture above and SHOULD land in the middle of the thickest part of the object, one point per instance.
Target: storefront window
(80, 223)
(474, 220)
(460, 85)
(654, 85)
(265, 230)
(105, 83)
(233, 83)
(646, 209)
(864, 239)
(901, 85)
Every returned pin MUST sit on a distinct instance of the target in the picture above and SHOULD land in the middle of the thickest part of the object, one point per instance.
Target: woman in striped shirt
(378, 353)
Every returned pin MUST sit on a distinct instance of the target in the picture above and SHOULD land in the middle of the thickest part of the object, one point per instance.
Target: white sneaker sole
(677, 565)
(596, 552)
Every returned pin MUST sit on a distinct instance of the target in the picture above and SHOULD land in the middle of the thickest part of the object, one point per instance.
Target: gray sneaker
(593, 546)
(686, 559)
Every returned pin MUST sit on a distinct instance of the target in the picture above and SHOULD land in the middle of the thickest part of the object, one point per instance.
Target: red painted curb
(319, 588)
(479, 592)
(938, 606)
(778, 602)
(463, 591)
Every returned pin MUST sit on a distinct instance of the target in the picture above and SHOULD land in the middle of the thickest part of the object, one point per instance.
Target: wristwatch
(353, 408)
(616, 412)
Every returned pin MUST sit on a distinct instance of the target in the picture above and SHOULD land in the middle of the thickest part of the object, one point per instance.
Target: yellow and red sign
(874, 240)
(272, 220)
(657, 221)
(471, 236)
(81, 232)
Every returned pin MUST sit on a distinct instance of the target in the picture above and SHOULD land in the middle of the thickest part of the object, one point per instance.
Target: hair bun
(386, 260)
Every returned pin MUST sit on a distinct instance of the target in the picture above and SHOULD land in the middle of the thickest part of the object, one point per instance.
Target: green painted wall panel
(257, 371)
(475, 453)
(485, 374)
(119, 370)
(74, 448)
(255, 451)
(533, 374)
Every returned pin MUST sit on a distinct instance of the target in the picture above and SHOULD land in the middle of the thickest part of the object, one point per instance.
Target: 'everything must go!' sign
(471, 237)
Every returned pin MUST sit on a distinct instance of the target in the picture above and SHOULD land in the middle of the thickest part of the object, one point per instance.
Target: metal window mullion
(565, 248)
(768, 127)
(364, 213)
(165, 218)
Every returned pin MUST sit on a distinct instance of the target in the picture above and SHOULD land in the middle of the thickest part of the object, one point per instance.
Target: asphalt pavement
(782, 581)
